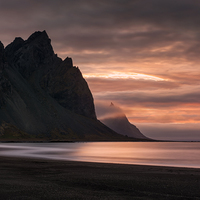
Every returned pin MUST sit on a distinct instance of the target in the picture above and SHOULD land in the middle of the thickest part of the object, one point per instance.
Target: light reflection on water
(185, 154)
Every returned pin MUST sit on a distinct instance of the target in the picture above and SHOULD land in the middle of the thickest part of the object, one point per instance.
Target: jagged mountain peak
(67, 62)
(38, 35)
(40, 40)
(13, 47)
(18, 40)
(32, 54)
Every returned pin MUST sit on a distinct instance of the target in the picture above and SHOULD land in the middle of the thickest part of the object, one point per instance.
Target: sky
(142, 55)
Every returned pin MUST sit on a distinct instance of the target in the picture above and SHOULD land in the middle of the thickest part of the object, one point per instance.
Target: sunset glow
(120, 75)
(145, 59)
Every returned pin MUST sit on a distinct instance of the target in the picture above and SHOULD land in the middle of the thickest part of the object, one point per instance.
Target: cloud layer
(152, 37)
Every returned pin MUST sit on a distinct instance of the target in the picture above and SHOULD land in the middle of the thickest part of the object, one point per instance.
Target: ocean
(176, 154)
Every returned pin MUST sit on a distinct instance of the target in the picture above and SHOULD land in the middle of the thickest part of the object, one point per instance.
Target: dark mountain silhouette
(117, 121)
(42, 96)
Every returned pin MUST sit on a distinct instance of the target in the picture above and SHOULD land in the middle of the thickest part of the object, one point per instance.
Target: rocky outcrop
(68, 87)
(45, 96)
(35, 60)
(117, 121)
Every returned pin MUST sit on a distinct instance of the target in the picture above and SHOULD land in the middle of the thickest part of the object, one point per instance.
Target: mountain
(45, 97)
(117, 121)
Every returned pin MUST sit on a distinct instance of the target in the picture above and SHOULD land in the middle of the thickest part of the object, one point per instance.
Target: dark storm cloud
(171, 81)
(182, 78)
(111, 85)
(120, 27)
(156, 99)
(110, 31)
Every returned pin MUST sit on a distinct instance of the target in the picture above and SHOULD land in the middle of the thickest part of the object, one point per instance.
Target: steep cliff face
(35, 60)
(42, 95)
(67, 86)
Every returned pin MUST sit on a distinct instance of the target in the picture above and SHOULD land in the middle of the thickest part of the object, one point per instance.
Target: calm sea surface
(179, 154)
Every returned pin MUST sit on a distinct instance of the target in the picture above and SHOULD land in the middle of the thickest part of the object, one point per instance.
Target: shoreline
(37, 178)
(74, 141)
(78, 141)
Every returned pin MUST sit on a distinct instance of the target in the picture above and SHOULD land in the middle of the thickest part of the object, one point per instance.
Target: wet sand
(23, 178)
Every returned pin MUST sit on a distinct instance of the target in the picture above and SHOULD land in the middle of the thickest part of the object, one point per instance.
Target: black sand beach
(23, 178)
